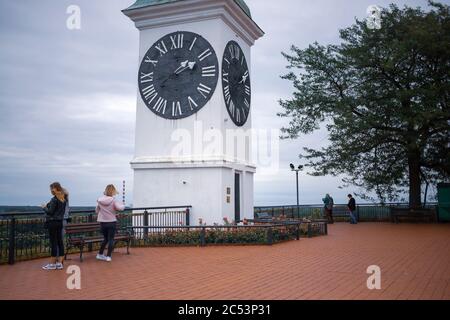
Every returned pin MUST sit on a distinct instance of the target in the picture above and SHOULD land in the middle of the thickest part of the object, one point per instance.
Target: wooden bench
(263, 216)
(415, 214)
(82, 234)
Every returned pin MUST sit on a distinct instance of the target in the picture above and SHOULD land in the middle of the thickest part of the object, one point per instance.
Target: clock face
(236, 83)
(178, 75)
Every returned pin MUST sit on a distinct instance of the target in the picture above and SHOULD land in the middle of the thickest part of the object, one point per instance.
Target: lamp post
(297, 170)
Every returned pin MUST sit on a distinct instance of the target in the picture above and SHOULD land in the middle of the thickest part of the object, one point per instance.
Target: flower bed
(258, 234)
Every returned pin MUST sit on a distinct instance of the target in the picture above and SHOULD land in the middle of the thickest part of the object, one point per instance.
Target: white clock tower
(194, 107)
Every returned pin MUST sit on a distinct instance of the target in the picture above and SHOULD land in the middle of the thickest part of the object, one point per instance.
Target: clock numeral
(192, 104)
(205, 54)
(146, 77)
(235, 52)
(247, 90)
(192, 44)
(161, 47)
(227, 61)
(245, 114)
(204, 90)
(209, 71)
(242, 60)
(247, 104)
(226, 90)
(160, 105)
(176, 109)
(232, 108)
(238, 116)
(148, 60)
(150, 93)
(177, 41)
(225, 77)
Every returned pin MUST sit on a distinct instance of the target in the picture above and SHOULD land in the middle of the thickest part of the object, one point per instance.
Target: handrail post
(203, 237)
(188, 217)
(12, 242)
(269, 236)
(146, 224)
(297, 232)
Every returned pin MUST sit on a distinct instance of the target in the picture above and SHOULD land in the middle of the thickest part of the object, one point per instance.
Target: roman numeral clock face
(178, 75)
(236, 83)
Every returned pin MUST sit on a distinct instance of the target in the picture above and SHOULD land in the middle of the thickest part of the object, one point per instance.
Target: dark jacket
(55, 210)
(352, 204)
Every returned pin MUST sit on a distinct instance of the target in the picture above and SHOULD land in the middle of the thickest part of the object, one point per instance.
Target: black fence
(23, 235)
(366, 212)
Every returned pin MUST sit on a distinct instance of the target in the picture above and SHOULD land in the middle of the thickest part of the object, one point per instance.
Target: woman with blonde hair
(107, 206)
(54, 216)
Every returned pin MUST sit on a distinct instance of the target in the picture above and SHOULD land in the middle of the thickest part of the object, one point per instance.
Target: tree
(383, 94)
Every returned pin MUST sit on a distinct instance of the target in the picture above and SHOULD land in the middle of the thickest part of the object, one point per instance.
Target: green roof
(144, 3)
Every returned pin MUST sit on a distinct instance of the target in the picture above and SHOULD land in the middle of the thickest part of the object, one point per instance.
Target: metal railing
(367, 212)
(23, 234)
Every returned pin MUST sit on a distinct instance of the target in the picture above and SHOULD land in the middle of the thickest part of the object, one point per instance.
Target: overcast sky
(67, 98)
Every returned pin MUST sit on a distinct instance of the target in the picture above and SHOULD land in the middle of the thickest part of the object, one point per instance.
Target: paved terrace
(414, 258)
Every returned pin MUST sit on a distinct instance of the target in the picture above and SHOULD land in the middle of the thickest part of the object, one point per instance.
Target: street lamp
(297, 170)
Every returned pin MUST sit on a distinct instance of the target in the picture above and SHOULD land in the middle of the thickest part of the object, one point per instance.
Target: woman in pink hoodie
(106, 212)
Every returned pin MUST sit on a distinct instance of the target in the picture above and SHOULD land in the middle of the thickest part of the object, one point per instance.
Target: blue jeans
(353, 219)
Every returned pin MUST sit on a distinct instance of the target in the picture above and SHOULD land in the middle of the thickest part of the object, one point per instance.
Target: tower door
(237, 197)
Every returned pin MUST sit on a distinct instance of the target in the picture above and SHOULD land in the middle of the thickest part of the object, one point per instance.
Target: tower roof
(145, 3)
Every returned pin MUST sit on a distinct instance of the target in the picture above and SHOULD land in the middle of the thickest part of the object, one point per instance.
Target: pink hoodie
(106, 209)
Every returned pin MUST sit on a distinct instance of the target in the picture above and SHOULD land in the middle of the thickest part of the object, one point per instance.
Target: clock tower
(193, 122)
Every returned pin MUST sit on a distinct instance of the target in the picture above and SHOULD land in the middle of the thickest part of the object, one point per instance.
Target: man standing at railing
(352, 209)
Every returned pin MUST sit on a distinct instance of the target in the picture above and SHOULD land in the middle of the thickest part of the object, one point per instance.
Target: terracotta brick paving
(414, 259)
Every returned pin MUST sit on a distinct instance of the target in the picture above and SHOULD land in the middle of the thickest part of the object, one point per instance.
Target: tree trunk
(414, 180)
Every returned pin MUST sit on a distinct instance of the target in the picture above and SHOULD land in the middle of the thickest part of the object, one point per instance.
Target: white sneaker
(59, 266)
(49, 266)
(108, 259)
(101, 257)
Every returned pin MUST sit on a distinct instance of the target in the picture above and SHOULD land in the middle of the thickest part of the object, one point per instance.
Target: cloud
(67, 98)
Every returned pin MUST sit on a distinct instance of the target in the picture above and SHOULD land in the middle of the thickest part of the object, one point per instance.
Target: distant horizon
(256, 205)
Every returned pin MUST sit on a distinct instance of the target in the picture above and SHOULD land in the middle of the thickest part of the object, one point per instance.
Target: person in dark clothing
(352, 209)
(328, 208)
(54, 216)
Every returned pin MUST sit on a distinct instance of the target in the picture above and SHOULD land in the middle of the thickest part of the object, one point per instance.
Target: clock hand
(244, 78)
(182, 65)
(181, 70)
(189, 65)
